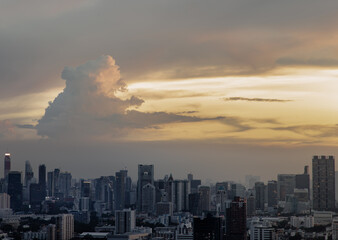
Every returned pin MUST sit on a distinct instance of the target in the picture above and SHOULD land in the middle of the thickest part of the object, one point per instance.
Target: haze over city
(220, 89)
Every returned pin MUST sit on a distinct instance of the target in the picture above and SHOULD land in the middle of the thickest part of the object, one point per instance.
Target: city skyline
(215, 87)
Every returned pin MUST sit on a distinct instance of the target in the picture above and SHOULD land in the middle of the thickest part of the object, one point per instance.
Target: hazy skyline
(220, 89)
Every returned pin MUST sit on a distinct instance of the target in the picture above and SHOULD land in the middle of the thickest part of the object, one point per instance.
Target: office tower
(148, 198)
(65, 183)
(5, 201)
(28, 173)
(50, 184)
(237, 190)
(260, 195)
(221, 197)
(85, 188)
(36, 195)
(15, 190)
(169, 188)
(323, 177)
(84, 204)
(285, 185)
(251, 206)
(125, 221)
(303, 180)
(64, 227)
(209, 228)
(181, 195)
(272, 194)
(335, 228)
(204, 192)
(7, 164)
(56, 180)
(236, 220)
(120, 189)
(42, 175)
(251, 180)
(145, 176)
(194, 204)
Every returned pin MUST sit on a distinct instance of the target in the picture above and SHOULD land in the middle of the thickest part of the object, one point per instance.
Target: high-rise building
(272, 194)
(236, 220)
(181, 195)
(65, 183)
(260, 195)
(7, 164)
(148, 198)
(285, 185)
(120, 189)
(251, 206)
(15, 190)
(5, 201)
(64, 227)
(56, 181)
(29, 174)
(42, 180)
(204, 192)
(85, 188)
(50, 183)
(194, 204)
(303, 180)
(145, 176)
(125, 221)
(323, 177)
(209, 228)
(36, 195)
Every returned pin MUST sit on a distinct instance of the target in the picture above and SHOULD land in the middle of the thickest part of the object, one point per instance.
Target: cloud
(7, 129)
(89, 106)
(313, 130)
(318, 62)
(255, 99)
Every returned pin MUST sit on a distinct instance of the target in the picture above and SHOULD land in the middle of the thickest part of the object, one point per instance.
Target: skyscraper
(236, 220)
(7, 164)
(145, 176)
(120, 189)
(303, 180)
(209, 228)
(50, 181)
(29, 174)
(15, 190)
(272, 194)
(42, 175)
(204, 198)
(323, 177)
(260, 195)
(64, 227)
(125, 221)
(285, 185)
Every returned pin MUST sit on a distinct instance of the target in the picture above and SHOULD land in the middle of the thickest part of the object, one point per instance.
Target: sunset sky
(220, 89)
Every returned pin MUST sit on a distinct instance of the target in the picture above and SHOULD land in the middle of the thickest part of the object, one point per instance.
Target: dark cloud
(324, 62)
(255, 99)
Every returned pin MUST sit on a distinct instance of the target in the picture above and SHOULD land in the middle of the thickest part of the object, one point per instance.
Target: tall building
(5, 201)
(236, 220)
(285, 185)
(29, 174)
(120, 189)
(204, 192)
(85, 188)
(65, 183)
(303, 180)
(194, 204)
(42, 180)
(64, 227)
(260, 195)
(323, 177)
(125, 221)
(15, 190)
(209, 228)
(7, 164)
(148, 198)
(50, 183)
(145, 176)
(181, 193)
(251, 206)
(272, 194)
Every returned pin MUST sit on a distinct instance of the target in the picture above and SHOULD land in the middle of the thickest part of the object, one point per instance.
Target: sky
(219, 88)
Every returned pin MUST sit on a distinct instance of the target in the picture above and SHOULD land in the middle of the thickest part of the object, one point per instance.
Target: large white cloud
(89, 106)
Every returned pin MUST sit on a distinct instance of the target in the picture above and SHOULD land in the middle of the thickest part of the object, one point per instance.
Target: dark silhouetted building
(209, 228)
(15, 190)
(120, 189)
(236, 220)
(272, 194)
(303, 180)
(194, 204)
(251, 206)
(145, 176)
(7, 164)
(323, 177)
(260, 195)
(204, 192)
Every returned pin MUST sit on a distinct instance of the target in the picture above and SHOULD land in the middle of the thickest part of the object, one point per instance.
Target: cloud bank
(89, 105)
(256, 99)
